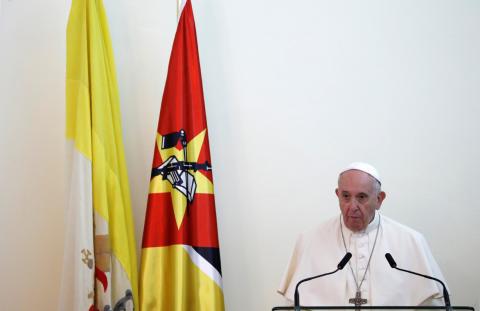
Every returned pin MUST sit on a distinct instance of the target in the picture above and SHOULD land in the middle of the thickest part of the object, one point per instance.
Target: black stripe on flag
(212, 255)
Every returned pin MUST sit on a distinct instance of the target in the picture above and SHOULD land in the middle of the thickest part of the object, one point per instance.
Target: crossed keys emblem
(177, 172)
(86, 259)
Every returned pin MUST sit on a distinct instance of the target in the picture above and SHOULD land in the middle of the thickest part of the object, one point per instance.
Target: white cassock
(320, 250)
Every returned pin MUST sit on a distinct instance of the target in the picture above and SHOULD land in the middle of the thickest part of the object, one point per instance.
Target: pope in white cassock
(361, 230)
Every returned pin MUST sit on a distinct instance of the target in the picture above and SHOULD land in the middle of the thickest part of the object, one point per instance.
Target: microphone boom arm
(340, 266)
(446, 296)
(445, 293)
(297, 295)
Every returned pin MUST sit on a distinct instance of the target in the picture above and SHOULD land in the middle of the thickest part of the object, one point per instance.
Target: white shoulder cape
(319, 251)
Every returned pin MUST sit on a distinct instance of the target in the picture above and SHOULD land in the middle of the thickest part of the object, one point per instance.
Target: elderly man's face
(359, 196)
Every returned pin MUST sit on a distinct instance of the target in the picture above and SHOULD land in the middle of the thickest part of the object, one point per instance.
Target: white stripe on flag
(204, 265)
(76, 292)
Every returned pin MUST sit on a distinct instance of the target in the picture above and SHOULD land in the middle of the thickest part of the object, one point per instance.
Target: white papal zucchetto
(364, 167)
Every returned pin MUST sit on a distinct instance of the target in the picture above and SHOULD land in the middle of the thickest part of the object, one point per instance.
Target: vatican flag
(180, 268)
(100, 265)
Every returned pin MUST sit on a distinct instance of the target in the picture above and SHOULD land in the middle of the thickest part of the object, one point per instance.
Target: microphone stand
(446, 296)
(341, 264)
(297, 296)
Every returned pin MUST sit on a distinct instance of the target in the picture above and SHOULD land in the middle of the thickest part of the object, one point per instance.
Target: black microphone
(340, 266)
(344, 261)
(446, 296)
(390, 260)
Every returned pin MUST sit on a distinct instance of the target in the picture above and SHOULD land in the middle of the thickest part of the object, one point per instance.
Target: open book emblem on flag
(176, 171)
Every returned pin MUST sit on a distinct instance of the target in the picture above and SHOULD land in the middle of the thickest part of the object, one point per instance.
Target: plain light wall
(294, 91)
(32, 153)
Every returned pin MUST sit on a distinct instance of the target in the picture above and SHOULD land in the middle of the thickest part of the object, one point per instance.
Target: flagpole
(180, 5)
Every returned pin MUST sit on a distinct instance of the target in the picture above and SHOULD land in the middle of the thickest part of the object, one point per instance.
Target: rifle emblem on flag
(176, 171)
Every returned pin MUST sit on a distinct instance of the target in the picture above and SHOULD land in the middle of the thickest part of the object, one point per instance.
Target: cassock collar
(371, 226)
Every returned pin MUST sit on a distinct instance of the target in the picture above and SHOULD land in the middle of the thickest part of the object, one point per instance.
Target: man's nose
(354, 204)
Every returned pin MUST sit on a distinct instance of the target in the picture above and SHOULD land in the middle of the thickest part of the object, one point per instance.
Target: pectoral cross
(358, 301)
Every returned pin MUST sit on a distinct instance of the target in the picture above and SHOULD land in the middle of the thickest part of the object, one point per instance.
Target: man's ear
(336, 192)
(380, 197)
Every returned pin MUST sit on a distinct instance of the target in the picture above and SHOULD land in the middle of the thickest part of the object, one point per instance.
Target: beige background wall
(294, 91)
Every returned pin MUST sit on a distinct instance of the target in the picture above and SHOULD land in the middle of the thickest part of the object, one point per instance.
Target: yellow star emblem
(159, 185)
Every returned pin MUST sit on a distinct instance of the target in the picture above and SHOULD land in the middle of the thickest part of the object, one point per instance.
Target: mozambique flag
(100, 265)
(180, 267)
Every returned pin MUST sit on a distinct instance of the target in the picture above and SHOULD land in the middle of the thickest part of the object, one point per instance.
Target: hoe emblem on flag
(176, 171)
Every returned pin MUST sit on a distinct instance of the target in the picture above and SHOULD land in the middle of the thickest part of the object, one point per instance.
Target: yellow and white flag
(100, 265)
